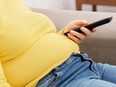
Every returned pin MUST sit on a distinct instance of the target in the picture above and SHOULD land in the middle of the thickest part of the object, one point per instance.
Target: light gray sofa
(101, 46)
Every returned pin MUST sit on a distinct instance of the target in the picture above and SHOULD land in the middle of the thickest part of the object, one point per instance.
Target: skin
(75, 36)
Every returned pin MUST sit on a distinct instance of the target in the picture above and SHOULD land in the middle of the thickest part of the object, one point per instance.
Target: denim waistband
(83, 57)
(75, 56)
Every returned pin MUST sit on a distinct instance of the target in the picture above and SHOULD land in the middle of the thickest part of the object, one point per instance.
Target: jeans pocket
(50, 81)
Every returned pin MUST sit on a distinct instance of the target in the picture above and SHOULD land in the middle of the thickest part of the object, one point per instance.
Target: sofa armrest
(101, 46)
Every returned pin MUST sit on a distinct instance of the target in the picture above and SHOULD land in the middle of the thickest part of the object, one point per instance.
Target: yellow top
(29, 45)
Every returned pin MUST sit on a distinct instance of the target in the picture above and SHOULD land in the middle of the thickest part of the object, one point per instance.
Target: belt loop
(80, 55)
(82, 58)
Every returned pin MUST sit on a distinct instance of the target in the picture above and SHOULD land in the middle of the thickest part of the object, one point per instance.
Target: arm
(75, 36)
(3, 81)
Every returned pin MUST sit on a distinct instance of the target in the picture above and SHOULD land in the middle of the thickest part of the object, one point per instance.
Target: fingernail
(72, 31)
(82, 27)
(68, 34)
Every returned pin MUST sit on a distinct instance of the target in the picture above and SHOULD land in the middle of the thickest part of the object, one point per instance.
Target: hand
(75, 36)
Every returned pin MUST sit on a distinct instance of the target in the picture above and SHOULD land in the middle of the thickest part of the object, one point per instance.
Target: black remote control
(92, 25)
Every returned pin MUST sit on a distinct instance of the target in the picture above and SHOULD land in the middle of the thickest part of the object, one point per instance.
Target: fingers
(94, 30)
(76, 23)
(79, 37)
(76, 37)
(86, 31)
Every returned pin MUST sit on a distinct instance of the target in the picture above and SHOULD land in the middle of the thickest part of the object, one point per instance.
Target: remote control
(92, 25)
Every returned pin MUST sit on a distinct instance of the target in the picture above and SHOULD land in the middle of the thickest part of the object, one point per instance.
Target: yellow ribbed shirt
(30, 46)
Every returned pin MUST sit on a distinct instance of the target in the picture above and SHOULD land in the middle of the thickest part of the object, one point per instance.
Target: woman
(32, 53)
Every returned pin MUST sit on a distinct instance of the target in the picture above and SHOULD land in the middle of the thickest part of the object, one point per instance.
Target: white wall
(52, 4)
(65, 5)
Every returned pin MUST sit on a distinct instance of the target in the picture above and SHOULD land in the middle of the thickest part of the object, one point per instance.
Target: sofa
(101, 45)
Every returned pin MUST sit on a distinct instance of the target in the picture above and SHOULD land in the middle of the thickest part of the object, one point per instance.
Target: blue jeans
(80, 71)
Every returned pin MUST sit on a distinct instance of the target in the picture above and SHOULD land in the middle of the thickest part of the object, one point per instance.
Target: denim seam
(103, 73)
(48, 76)
(55, 82)
(43, 81)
